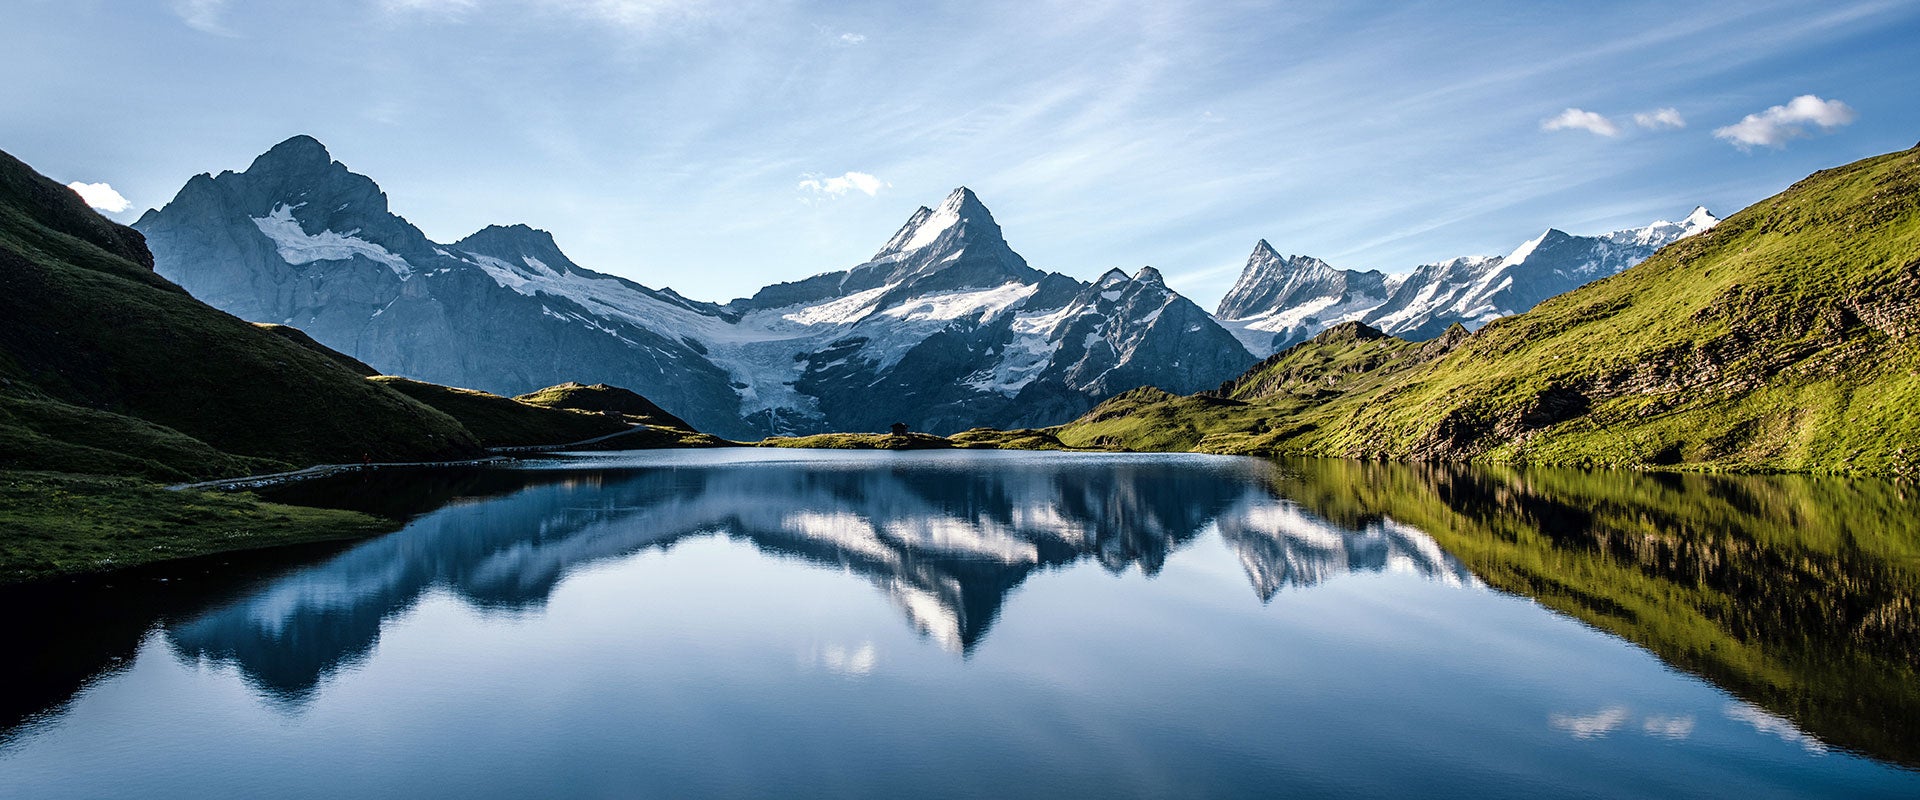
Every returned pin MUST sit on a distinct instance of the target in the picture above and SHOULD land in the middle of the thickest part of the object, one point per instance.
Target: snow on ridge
(947, 306)
(296, 246)
(839, 311)
(1661, 232)
(1520, 253)
(930, 229)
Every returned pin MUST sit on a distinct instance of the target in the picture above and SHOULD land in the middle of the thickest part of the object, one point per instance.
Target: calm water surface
(790, 623)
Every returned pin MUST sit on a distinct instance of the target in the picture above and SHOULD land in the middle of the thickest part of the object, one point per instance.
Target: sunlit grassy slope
(1783, 339)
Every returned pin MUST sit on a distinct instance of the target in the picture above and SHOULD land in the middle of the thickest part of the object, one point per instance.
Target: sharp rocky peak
(960, 220)
(516, 233)
(1265, 258)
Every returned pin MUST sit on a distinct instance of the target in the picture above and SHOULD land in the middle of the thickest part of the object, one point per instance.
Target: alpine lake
(783, 623)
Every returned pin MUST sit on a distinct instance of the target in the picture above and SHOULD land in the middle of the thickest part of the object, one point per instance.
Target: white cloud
(203, 15)
(841, 184)
(850, 38)
(100, 196)
(1576, 119)
(1590, 726)
(1776, 126)
(1660, 118)
(1782, 727)
(852, 662)
(1675, 727)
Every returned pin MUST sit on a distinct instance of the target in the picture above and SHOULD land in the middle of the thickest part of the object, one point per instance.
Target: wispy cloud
(100, 196)
(204, 16)
(851, 39)
(1658, 119)
(639, 14)
(1577, 119)
(1778, 125)
(447, 8)
(632, 13)
(838, 185)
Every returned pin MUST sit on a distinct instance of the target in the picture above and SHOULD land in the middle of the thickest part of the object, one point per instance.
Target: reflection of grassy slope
(1799, 594)
(1788, 337)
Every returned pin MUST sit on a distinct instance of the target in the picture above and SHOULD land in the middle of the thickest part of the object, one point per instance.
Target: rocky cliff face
(945, 328)
(1280, 302)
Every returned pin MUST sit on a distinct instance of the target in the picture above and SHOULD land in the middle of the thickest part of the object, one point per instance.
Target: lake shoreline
(107, 508)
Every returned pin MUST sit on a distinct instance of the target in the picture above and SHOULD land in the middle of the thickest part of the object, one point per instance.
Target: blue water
(791, 623)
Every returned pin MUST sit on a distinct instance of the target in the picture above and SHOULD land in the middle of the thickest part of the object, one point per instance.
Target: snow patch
(296, 246)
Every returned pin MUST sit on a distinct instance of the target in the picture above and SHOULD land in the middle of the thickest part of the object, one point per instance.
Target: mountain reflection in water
(1798, 596)
(945, 542)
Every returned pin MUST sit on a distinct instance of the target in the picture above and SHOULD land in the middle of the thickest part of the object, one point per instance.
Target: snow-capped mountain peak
(1527, 248)
(1280, 301)
(1283, 299)
(1662, 232)
(960, 220)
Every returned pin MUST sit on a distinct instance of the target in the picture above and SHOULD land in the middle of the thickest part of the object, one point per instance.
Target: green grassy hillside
(603, 399)
(506, 422)
(1783, 339)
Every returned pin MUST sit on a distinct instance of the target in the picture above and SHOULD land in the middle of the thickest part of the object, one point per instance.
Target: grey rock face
(945, 328)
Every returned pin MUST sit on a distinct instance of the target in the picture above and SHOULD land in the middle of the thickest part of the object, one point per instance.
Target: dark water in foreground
(782, 623)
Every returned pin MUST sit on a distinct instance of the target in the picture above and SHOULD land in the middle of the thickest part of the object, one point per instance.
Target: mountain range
(1280, 300)
(944, 328)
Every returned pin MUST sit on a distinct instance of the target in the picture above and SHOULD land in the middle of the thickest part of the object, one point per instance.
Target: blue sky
(716, 147)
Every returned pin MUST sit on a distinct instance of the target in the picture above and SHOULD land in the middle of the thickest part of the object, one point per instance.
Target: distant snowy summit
(1280, 301)
(945, 327)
